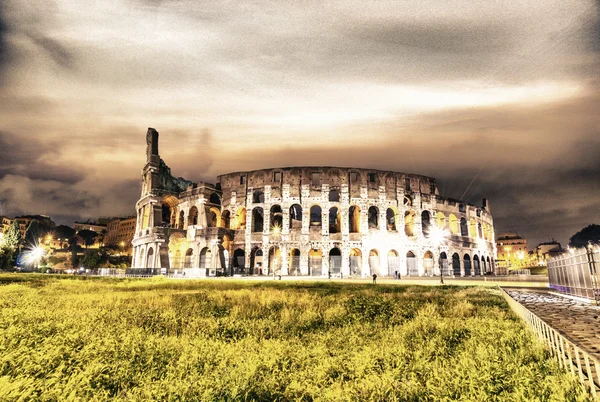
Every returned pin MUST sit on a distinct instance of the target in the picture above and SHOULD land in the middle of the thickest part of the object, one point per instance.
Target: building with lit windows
(306, 221)
(512, 251)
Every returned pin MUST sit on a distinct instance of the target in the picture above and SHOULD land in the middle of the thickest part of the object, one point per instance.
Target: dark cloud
(54, 49)
(4, 47)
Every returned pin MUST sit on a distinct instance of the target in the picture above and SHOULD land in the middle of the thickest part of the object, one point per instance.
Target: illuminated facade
(512, 251)
(315, 221)
(120, 232)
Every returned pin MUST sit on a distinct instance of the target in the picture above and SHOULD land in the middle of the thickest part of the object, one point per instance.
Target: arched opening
(294, 263)
(239, 261)
(428, 263)
(225, 219)
(258, 220)
(315, 262)
(150, 258)
(315, 216)
(205, 258)
(258, 197)
(240, 219)
(464, 230)
(176, 263)
(166, 215)
(453, 224)
(374, 262)
(479, 231)
(467, 264)
(334, 196)
(472, 228)
(373, 217)
(440, 220)
(275, 260)
(189, 255)
(354, 219)
(169, 214)
(295, 217)
(193, 216)
(335, 220)
(215, 199)
(256, 261)
(411, 264)
(455, 264)
(444, 264)
(335, 261)
(393, 264)
(425, 223)
(489, 266)
(181, 224)
(214, 218)
(409, 223)
(390, 218)
(355, 262)
(483, 266)
(476, 267)
(276, 219)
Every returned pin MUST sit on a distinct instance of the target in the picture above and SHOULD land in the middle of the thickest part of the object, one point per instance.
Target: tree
(10, 246)
(590, 233)
(36, 231)
(88, 237)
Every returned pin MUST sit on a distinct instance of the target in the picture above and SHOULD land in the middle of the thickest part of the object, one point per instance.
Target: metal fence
(575, 272)
(569, 356)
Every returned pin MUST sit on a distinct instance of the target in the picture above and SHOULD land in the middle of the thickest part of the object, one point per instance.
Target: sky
(494, 99)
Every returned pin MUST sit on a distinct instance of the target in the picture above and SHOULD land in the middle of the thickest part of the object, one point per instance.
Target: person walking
(374, 278)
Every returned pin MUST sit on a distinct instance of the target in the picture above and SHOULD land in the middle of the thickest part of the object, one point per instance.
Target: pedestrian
(395, 274)
(374, 278)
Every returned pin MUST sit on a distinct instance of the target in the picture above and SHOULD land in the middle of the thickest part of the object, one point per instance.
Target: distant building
(120, 232)
(93, 226)
(24, 222)
(544, 251)
(513, 252)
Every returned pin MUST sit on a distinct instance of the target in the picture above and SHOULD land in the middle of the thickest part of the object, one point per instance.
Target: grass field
(161, 339)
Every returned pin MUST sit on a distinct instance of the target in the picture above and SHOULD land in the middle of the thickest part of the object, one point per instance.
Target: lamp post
(438, 236)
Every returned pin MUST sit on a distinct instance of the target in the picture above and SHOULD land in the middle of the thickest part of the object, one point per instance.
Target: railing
(569, 356)
(575, 272)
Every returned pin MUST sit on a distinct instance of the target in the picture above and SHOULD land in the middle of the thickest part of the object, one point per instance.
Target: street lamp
(438, 237)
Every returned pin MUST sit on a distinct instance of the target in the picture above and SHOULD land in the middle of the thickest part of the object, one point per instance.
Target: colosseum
(317, 221)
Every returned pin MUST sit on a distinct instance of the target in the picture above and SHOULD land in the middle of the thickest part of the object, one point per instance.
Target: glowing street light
(438, 237)
(34, 255)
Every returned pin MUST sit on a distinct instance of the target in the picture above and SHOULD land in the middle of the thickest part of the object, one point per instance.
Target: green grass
(160, 339)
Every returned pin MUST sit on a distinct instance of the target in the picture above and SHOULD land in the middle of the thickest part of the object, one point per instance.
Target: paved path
(579, 322)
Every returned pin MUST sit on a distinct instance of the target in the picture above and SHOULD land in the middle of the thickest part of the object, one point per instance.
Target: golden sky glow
(495, 99)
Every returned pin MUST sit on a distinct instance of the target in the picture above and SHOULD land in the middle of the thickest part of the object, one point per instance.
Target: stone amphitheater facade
(318, 221)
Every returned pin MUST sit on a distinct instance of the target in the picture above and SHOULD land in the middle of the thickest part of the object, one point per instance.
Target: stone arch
(168, 209)
(390, 218)
(480, 231)
(141, 258)
(214, 218)
(275, 260)
(483, 266)
(181, 223)
(440, 220)
(464, 230)
(454, 224)
(374, 261)
(193, 216)
(315, 262)
(150, 258)
(189, 258)
(335, 220)
(393, 261)
(334, 195)
(472, 228)
(425, 223)
(276, 218)
(407, 201)
(258, 220)
(226, 219)
(355, 262)
(295, 217)
(354, 219)
(373, 217)
(467, 264)
(316, 220)
(428, 263)
(205, 258)
(239, 260)
(411, 264)
(294, 262)
(455, 264)
(409, 223)
(476, 266)
(258, 197)
(176, 262)
(335, 261)
(256, 261)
